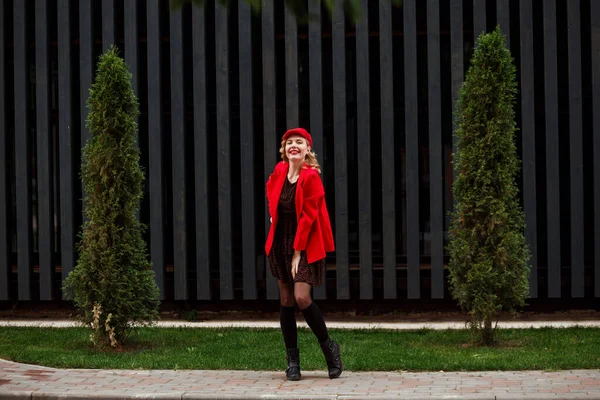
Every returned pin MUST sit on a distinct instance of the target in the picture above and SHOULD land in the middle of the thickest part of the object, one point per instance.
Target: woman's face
(296, 148)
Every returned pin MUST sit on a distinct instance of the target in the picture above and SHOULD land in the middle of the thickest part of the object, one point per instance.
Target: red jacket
(314, 229)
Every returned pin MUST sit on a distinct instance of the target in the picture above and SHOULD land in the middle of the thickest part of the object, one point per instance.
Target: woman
(298, 239)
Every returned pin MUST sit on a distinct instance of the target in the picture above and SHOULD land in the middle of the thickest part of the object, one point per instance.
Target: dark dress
(280, 257)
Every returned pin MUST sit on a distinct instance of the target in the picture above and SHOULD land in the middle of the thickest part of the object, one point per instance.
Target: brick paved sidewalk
(27, 381)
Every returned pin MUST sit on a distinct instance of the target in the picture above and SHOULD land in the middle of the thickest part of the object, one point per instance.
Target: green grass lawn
(263, 349)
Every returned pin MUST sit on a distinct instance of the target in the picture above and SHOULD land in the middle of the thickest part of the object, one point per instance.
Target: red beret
(298, 131)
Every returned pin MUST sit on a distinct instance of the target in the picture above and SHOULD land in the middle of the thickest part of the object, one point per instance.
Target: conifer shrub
(489, 258)
(113, 284)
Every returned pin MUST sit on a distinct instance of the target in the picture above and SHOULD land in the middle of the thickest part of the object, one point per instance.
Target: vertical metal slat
(201, 154)
(552, 148)
(341, 157)
(224, 152)
(479, 15)
(5, 269)
(44, 152)
(387, 150)
(528, 138)
(595, 27)
(412, 148)
(269, 115)
(22, 152)
(155, 146)
(65, 140)
(363, 117)
(291, 69)
(576, 147)
(247, 157)
(503, 13)
(316, 101)
(178, 156)
(435, 150)
(108, 24)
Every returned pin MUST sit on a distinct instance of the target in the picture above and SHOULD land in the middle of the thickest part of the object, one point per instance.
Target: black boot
(331, 350)
(292, 373)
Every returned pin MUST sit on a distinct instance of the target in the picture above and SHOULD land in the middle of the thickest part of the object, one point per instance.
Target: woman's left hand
(295, 263)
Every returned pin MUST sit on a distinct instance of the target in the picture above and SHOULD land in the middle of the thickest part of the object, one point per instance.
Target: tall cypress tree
(113, 283)
(488, 254)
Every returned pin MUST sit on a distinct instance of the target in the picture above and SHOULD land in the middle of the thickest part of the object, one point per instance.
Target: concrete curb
(330, 324)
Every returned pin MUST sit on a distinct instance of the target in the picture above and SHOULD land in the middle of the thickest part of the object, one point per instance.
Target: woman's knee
(286, 295)
(287, 301)
(303, 300)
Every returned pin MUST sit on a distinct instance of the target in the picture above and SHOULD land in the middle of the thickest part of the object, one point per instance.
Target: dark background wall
(218, 88)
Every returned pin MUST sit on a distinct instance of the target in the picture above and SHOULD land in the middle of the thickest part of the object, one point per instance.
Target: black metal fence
(219, 87)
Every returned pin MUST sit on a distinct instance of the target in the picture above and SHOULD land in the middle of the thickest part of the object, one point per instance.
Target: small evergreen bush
(488, 254)
(112, 284)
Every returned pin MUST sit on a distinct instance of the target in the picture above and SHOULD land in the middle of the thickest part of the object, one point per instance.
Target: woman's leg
(287, 315)
(312, 313)
(316, 322)
(287, 320)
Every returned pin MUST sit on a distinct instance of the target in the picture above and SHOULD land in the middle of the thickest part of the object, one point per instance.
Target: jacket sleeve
(268, 189)
(314, 195)
(269, 185)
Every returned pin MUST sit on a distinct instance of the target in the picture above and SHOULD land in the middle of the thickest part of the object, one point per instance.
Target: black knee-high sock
(287, 320)
(314, 319)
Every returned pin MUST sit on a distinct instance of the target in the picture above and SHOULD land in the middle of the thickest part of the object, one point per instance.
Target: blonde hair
(310, 159)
